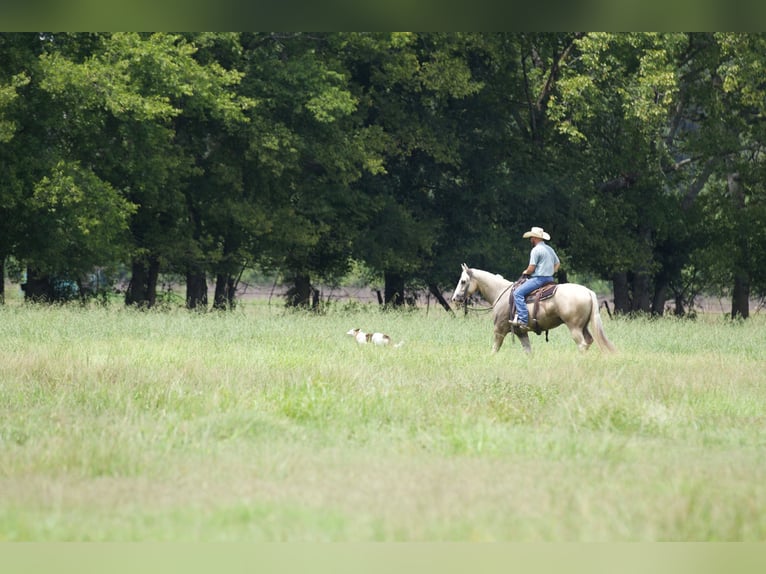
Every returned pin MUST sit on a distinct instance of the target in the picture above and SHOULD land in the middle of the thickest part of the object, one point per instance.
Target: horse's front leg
(498, 342)
(500, 321)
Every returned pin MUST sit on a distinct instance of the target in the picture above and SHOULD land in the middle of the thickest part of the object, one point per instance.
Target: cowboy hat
(537, 232)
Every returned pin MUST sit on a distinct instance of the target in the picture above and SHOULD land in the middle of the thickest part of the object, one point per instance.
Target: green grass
(265, 425)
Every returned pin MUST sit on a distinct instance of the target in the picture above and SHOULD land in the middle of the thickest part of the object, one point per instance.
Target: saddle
(540, 294)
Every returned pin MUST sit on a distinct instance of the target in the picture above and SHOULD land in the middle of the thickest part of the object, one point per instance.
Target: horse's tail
(596, 327)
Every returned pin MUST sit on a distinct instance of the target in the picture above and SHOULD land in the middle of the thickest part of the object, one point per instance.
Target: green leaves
(81, 219)
(9, 93)
(331, 104)
(153, 77)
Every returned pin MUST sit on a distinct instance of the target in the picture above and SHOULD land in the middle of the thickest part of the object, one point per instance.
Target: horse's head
(466, 286)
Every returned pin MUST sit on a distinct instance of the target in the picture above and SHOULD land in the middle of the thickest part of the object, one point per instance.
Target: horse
(572, 305)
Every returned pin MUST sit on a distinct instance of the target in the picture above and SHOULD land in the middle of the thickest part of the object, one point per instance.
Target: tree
(743, 97)
(134, 94)
(60, 220)
(81, 221)
(691, 104)
(19, 54)
(307, 146)
(617, 105)
(411, 87)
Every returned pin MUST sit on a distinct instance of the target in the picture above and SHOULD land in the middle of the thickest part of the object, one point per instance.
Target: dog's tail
(399, 344)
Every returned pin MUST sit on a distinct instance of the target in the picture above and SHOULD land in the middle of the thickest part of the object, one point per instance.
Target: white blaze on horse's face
(465, 285)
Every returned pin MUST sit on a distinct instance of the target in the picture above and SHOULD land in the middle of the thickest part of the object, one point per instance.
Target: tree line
(203, 154)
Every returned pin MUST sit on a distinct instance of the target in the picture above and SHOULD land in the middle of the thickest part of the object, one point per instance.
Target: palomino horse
(573, 305)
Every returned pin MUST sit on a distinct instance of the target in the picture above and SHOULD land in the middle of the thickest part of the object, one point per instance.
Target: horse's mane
(497, 276)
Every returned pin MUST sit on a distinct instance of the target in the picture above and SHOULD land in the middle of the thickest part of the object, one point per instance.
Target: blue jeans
(520, 296)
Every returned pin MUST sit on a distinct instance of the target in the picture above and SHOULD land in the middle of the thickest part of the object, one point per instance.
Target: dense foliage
(203, 154)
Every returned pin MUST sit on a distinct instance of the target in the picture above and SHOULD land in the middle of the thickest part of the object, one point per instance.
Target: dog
(375, 338)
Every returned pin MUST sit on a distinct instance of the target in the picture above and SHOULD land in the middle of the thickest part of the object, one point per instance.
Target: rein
(482, 309)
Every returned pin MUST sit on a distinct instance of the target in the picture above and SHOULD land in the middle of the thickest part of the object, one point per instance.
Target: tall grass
(268, 425)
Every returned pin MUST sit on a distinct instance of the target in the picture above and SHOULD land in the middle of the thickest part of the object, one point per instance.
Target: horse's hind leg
(582, 337)
(525, 344)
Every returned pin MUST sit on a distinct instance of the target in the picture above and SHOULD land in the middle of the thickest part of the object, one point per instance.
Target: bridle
(465, 295)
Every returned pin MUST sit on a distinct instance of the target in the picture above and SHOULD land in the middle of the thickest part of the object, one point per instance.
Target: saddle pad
(545, 292)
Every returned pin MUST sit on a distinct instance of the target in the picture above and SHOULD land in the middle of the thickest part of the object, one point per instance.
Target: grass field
(266, 425)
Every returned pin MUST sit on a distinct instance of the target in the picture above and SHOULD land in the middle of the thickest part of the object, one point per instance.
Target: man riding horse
(543, 263)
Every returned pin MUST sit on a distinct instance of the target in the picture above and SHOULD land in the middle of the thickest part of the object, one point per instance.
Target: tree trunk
(225, 290)
(393, 291)
(302, 293)
(621, 293)
(196, 290)
(154, 275)
(2, 279)
(641, 300)
(434, 289)
(135, 294)
(142, 289)
(740, 297)
(38, 288)
(660, 295)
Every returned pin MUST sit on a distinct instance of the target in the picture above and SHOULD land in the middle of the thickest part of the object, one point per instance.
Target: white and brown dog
(375, 338)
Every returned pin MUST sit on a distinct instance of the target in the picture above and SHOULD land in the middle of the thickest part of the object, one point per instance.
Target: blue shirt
(544, 258)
